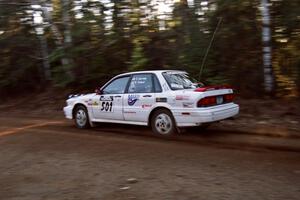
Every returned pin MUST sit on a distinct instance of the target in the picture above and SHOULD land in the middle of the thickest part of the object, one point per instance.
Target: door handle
(147, 95)
(118, 96)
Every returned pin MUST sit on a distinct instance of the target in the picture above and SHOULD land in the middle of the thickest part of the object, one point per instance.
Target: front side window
(117, 86)
(141, 83)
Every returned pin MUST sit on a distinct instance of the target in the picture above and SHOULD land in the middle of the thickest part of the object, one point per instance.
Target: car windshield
(181, 80)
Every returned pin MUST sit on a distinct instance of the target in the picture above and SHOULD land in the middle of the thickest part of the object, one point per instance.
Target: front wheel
(81, 117)
(163, 123)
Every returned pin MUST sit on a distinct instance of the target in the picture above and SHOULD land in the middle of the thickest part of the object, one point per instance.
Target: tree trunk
(44, 47)
(267, 48)
(67, 60)
(63, 42)
(45, 56)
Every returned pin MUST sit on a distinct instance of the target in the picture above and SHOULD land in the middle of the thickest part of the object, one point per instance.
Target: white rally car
(164, 100)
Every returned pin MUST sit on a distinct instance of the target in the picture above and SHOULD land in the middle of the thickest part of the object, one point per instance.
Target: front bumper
(68, 112)
(198, 116)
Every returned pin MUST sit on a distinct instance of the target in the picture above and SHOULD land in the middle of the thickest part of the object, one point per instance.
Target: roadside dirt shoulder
(277, 118)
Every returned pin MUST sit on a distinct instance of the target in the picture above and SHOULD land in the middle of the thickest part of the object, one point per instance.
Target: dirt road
(51, 159)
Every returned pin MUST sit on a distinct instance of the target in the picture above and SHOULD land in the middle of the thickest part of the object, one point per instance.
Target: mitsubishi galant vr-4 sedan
(165, 100)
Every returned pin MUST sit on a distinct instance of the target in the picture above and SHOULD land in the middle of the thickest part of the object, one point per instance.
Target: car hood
(79, 97)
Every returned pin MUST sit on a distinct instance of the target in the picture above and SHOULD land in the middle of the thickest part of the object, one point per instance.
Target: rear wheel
(81, 117)
(163, 123)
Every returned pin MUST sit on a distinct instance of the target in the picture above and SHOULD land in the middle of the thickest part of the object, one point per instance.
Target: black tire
(163, 123)
(81, 117)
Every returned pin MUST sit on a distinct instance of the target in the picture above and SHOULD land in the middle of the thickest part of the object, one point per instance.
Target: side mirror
(98, 91)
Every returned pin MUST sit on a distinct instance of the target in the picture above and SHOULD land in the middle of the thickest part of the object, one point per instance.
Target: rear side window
(179, 81)
(141, 83)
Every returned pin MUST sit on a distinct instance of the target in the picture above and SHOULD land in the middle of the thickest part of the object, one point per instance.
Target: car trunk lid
(214, 95)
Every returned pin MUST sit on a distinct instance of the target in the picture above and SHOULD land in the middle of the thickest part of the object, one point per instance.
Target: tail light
(207, 101)
(212, 100)
(228, 98)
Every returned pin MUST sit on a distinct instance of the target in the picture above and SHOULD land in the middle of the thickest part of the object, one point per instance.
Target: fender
(158, 105)
(88, 107)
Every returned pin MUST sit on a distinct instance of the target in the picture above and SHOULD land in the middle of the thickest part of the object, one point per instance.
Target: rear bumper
(68, 112)
(195, 117)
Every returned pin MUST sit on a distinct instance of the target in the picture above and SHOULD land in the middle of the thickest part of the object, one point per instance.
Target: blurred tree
(236, 52)
(286, 46)
(78, 43)
(192, 37)
(90, 43)
(19, 68)
(67, 60)
(138, 59)
(267, 47)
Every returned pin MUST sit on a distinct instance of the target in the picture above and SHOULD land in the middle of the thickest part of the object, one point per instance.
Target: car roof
(151, 71)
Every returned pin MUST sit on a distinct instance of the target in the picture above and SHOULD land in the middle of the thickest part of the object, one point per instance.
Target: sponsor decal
(89, 102)
(161, 99)
(106, 98)
(182, 97)
(106, 103)
(177, 86)
(187, 104)
(146, 105)
(132, 99)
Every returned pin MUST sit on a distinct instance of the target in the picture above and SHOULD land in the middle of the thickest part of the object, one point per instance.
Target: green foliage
(119, 36)
(190, 40)
(18, 70)
(138, 59)
(237, 48)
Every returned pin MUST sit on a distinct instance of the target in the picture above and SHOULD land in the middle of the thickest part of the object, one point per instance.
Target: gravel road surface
(50, 159)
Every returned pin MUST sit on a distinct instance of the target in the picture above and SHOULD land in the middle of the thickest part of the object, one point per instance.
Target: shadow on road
(209, 137)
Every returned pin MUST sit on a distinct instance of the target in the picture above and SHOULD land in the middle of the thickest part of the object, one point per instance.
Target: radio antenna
(208, 48)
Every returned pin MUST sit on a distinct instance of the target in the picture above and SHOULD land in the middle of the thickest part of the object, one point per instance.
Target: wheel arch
(158, 108)
(76, 106)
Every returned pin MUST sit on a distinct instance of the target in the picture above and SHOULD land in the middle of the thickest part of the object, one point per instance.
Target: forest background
(80, 44)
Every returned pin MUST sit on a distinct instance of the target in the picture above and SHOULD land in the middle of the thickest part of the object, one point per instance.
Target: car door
(140, 98)
(109, 104)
